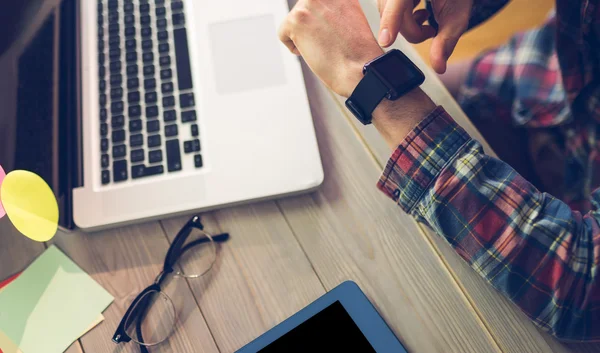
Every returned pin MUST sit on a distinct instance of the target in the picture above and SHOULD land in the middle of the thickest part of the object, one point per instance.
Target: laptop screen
(34, 129)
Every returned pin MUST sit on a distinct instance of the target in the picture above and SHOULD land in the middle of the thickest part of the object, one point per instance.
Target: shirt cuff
(421, 157)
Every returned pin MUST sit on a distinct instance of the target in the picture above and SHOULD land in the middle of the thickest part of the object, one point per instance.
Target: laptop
(135, 110)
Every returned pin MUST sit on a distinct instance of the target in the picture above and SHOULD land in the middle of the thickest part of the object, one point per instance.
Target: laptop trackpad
(246, 54)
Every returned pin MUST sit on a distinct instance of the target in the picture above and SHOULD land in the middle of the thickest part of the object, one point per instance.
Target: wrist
(395, 119)
(353, 71)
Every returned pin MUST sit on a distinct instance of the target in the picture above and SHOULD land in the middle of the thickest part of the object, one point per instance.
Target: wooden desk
(284, 254)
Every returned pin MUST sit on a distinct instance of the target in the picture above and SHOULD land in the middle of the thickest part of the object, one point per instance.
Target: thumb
(444, 42)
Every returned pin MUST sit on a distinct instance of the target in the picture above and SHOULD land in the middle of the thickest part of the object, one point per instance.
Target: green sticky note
(50, 304)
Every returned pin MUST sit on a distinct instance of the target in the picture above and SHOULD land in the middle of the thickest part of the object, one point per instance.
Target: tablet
(343, 320)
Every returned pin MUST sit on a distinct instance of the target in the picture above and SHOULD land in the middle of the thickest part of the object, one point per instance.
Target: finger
(415, 32)
(421, 16)
(444, 42)
(390, 20)
(284, 33)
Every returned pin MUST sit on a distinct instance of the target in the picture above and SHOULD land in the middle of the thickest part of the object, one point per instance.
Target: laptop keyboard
(148, 120)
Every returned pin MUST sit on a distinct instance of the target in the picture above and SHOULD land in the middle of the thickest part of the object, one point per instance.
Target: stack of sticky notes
(49, 306)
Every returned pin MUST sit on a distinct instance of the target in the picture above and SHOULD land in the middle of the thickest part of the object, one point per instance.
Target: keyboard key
(160, 11)
(135, 125)
(113, 4)
(170, 115)
(115, 67)
(162, 35)
(135, 111)
(104, 161)
(195, 130)
(152, 111)
(149, 83)
(178, 19)
(177, 5)
(188, 116)
(147, 44)
(120, 171)
(100, 46)
(145, 20)
(182, 57)
(155, 156)
(164, 60)
(128, 8)
(102, 100)
(167, 87)
(119, 151)
(129, 32)
(132, 69)
(102, 85)
(187, 100)
(116, 93)
(146, 32)
(166, 74)
(133, 83)
(117, 122)
(114, 28)
(136, 140)
(118, 136)
(101, 71)
(137, 156)
(113, 17)
(114, 53)
(133, 97)
(188, 147)
(154, 141)
(112, 40)
(171, 130)
(161, 23)
(148, 57)
(140, 171)
(103, 129)
(104, 145)
(103, 114)
(153, 126)
(168, 101)
(149, 70)
(105, 177)
(163, 47)
(116, 107)
(196, 145)
(101, 58)
(129, 19)
(173, 155)
(150, 97)
(130, 44)
(116, 80)
(131, 57)
(198, 161)
(144, 8)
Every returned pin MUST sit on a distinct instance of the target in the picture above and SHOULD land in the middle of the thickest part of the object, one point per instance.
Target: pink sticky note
(2, 175)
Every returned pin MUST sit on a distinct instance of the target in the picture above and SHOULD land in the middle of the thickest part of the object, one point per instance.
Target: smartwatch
(390, 76)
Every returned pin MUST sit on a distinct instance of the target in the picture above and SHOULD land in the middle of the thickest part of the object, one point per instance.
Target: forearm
(528, 245)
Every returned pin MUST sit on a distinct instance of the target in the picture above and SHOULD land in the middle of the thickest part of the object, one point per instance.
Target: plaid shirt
(536, 249)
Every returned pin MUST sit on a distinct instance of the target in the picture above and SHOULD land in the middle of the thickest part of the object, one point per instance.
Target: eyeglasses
(151, 317)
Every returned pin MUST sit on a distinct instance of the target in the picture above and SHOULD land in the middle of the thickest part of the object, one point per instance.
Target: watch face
(397, 71)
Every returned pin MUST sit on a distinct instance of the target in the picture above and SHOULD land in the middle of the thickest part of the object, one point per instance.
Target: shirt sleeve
(484, 9)
(529, 245)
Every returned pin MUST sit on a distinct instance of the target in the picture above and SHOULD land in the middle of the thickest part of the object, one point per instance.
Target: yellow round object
(30, 205)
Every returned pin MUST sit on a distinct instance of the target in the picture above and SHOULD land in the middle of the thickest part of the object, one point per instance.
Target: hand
(334, 38)
(452, 16)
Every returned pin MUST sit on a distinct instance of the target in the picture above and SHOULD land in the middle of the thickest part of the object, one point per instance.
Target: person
(540, 252)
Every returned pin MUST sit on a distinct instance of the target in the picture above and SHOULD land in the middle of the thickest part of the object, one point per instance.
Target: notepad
(50, 304)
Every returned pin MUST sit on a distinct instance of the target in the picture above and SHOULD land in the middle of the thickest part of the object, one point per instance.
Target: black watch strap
(369, 92)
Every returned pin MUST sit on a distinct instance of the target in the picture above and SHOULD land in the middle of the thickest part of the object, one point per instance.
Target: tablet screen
(331, 330)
